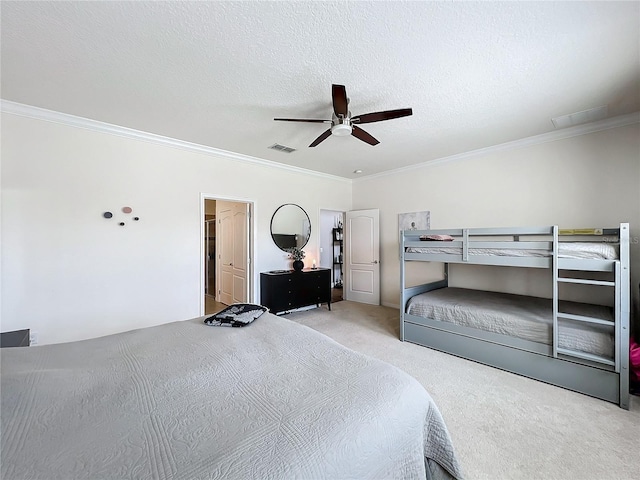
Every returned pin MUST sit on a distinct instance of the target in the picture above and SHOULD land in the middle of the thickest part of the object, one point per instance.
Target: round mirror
(290, 227)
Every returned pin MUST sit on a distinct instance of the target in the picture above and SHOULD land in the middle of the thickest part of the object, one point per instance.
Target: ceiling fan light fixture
(341, 130)
(342, 123)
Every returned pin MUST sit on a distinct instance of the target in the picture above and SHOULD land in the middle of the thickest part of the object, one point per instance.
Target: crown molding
(606, 124)
(38, 113)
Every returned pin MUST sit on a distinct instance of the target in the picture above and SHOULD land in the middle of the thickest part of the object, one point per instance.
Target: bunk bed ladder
(599, 321)
(403, 295)
(556, 276)
(624, 307)
(620, 284)
(558, 315)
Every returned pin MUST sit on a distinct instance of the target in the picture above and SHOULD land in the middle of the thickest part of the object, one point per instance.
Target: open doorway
(332, 249)
(211, 305)
(227, 241)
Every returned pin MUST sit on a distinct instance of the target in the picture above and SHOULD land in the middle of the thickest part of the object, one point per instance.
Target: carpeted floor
(503, 426)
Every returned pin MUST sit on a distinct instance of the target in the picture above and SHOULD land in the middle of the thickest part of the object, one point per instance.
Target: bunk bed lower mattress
(527, 318)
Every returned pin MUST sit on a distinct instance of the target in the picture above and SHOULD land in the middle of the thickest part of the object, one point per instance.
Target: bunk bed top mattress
(582, 250)
(528, 318)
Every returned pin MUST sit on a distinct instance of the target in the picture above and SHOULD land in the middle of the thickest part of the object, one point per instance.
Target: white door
(232, 250)
(240, 252)
(362, 256)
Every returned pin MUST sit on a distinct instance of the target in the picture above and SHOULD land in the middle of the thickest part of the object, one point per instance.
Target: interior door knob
(375, 261)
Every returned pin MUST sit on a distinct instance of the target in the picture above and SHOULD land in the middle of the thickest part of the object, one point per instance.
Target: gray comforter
(188, 401)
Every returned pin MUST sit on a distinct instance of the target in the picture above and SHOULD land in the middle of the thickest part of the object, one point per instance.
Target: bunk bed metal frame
(589, 374)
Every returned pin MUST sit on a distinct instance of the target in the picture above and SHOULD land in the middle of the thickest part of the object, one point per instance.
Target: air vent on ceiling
(578, 118)
(282, 148)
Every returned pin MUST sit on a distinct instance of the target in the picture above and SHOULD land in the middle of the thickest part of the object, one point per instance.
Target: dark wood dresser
(283, 290)
(17, 338)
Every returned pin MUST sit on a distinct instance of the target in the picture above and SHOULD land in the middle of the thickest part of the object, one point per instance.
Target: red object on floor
(634, 360)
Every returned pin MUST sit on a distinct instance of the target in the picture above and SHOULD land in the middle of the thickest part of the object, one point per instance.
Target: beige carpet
(503, 426)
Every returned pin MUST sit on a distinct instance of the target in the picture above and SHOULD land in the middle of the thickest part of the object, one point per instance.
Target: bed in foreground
(185, 400)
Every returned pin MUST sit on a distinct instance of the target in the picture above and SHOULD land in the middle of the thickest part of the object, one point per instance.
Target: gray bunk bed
(581, 347)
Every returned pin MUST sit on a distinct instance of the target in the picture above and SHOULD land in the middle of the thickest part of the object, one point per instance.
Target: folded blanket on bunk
(438, 238)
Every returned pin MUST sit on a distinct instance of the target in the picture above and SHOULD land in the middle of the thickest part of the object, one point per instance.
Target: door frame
(251, 283)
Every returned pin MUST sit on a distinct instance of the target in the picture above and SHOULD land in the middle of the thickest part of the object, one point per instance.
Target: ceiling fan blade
(364, 136)
(312, 120)
(321, 138)
(379, 116)
(340, 103)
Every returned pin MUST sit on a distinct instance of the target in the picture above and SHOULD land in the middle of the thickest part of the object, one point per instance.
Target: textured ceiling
(217, 73)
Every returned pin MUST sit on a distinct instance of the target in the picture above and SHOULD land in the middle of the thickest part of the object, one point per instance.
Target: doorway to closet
(332, 249)
(350, 247)
(227, 241)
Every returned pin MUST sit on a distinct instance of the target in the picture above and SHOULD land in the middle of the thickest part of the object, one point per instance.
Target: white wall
(586, 181)
(68, 273)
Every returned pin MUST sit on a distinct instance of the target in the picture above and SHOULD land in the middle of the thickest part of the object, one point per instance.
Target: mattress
(583, 250)
(527, 318)
(272, 400)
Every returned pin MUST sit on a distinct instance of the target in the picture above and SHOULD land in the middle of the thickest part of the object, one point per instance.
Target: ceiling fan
(343, 123)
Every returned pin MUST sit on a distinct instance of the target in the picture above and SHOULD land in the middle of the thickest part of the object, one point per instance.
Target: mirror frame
(307, 233)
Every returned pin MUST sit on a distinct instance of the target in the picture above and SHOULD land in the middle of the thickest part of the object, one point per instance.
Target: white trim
(38, 113)
(619, 121)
